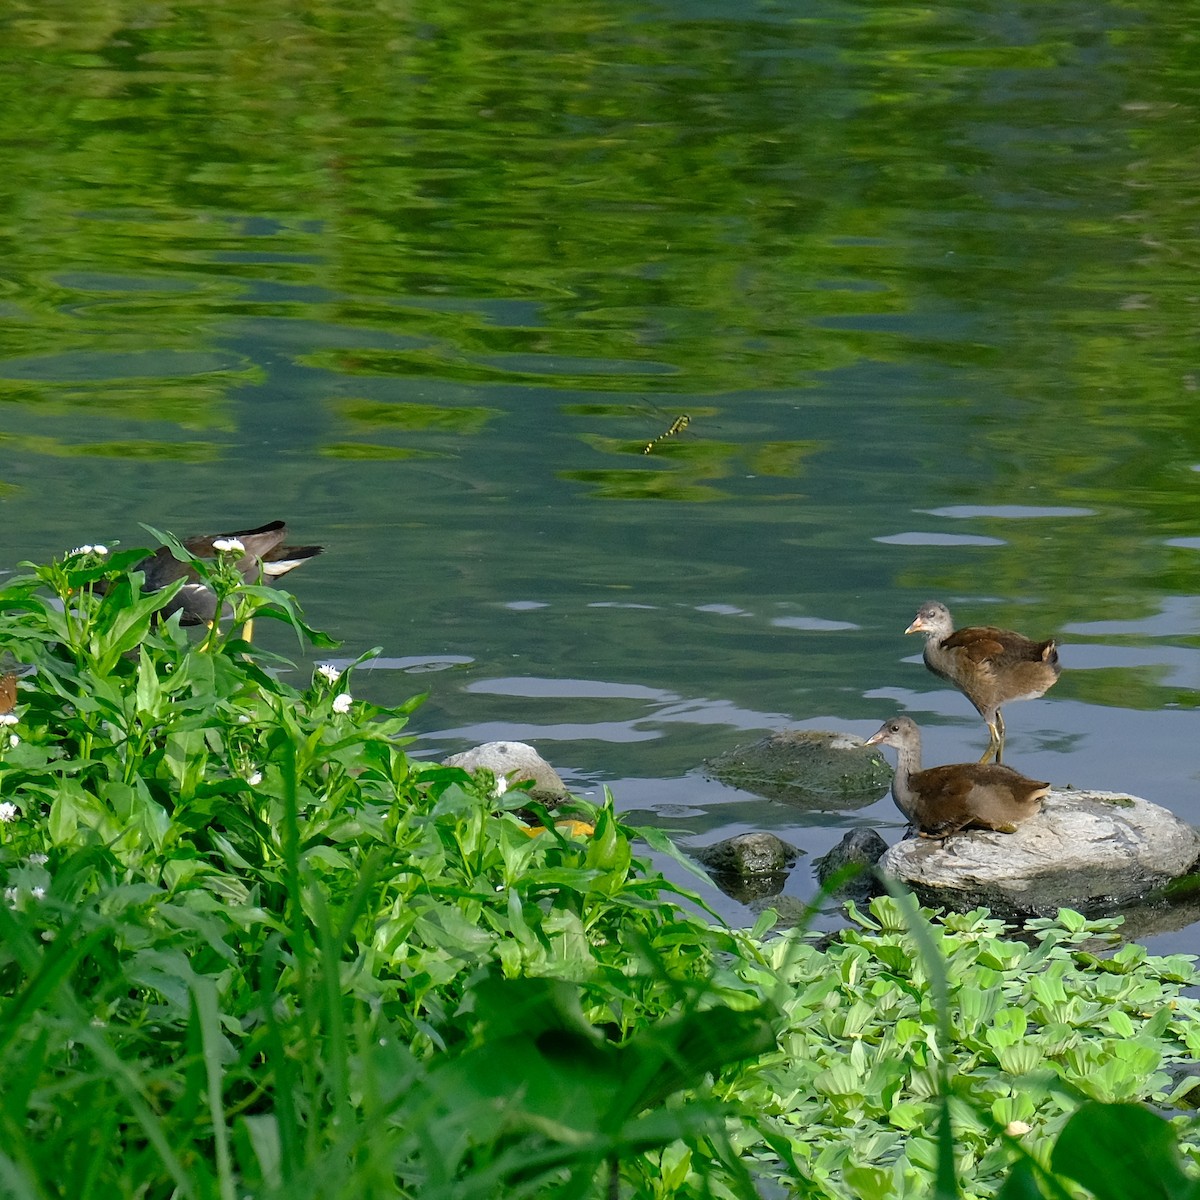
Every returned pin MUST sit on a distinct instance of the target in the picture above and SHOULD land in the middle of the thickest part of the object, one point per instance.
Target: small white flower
(500, 786)
(329, 672)
(100, 549)
(1017, 1128)
(13, 740)
(8, 718)
(221, 545)
(10, 895)
(342, 702)
(9, 812)
(38, 860)
(255, 778)
(243, 719)
(80, 550)
(38, 893)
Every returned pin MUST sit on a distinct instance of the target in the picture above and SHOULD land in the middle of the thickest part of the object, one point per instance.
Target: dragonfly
(678, 425)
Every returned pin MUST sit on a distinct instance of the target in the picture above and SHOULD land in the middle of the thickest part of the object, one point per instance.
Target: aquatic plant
(250, 948)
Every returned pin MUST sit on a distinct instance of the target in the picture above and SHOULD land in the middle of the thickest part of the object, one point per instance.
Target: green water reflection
(427, 281)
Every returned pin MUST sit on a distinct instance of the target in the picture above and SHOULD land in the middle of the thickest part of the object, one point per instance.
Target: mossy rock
(748, 867)
(806, 767)
(747, 854)
(861, 849)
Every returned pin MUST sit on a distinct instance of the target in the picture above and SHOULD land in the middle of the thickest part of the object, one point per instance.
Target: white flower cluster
(102, 551)
(8, 718)
(222, 545)
(9, 812)
(342, 702)
(329, 672)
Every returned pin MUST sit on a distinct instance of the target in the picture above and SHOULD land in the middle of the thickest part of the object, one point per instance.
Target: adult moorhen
(942, 800)
(989, 666)
(263, 554)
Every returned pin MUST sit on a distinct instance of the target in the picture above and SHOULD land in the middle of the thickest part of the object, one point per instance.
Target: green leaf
(1021, 1183)
(1122, 1152)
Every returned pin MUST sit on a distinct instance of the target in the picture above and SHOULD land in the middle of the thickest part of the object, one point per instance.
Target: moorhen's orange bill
(942, 800)
(989, 666)
(264, 555)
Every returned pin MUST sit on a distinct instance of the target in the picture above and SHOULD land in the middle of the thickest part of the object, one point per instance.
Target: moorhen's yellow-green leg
(995, 747)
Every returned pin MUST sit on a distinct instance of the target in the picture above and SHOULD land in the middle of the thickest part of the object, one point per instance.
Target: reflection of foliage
(781, 458)
(423, 417)
(369, 450)
(194, 402)
(642, 485)
(417, 202)
(682, 436)
(1141, 689)
(517, 196)
(130, 449)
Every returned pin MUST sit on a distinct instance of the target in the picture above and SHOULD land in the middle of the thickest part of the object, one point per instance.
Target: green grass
(249, 948)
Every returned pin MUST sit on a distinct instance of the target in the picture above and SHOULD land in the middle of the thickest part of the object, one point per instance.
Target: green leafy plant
(249, 947)
(239, 914)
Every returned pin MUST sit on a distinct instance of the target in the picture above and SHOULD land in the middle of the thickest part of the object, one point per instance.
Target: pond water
(428, 281)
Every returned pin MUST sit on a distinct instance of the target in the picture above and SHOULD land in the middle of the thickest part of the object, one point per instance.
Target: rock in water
(747, 854)
(861, 848)
(516, 762)
(812, 768)
(749, 867)
(1088, 850)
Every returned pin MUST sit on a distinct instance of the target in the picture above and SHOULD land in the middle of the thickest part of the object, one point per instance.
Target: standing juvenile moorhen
(989, 666)
(943, 800)
(264, 554)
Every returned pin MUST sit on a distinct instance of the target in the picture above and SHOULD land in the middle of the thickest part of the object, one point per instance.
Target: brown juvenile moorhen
(943, 800)
(989, 666)
(264, 555)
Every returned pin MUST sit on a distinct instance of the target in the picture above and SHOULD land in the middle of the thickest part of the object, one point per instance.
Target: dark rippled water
(427, 283)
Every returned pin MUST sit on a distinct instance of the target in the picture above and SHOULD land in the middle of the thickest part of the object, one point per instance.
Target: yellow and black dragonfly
(677, 426)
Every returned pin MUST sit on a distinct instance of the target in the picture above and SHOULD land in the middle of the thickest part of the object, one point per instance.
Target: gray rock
(749, 867)
(810, 768)
(747, 854)
(1088, 850)
(861, 848)
(515, 762)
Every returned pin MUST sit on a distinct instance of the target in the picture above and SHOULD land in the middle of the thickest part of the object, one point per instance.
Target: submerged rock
(811, 768)
(1088, 850)
(516, 762)
(748, 867)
